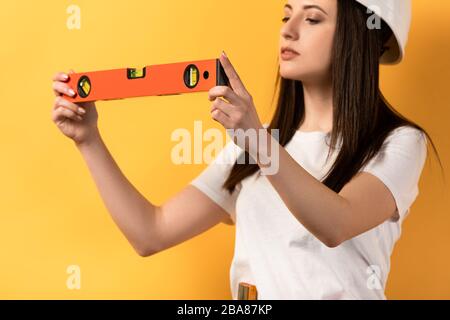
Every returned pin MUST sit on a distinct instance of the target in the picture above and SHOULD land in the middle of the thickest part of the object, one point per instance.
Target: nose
(290, 30)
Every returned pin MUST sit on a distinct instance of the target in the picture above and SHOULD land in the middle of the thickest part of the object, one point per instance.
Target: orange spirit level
(152, 80)
(247, 291)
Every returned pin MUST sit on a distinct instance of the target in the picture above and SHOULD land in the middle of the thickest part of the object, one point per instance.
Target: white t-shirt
(281, 257)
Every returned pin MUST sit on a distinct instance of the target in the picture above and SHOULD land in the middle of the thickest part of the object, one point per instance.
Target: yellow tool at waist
(247, 291)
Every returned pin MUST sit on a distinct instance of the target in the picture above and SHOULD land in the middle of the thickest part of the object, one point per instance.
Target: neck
(318, 107)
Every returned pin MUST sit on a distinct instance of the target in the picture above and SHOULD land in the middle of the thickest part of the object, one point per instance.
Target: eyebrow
(306, 7)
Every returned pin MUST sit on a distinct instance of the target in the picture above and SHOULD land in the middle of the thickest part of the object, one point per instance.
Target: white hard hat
(397, 15)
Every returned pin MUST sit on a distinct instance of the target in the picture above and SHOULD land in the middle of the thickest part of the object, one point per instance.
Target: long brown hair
(361, 114)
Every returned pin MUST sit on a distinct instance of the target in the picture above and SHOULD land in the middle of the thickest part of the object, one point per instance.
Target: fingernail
(224, 54)
(65, 76)
(71, 92)
(81, 110)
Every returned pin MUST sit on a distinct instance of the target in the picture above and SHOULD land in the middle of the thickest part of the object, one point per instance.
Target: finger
(60, 76)
(235, 80)
(223, 106)
(221, 117)
(60, 88)
(61, 113)
(59, 101)
(226, 92)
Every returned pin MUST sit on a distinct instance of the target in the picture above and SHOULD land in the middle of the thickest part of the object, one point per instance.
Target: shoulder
(404, 148)
(229, 153)
(407, 141)
(399, 164)
(407, 135)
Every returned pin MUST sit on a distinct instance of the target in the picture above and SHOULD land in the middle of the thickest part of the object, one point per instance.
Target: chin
(291, 73)
(296, 72)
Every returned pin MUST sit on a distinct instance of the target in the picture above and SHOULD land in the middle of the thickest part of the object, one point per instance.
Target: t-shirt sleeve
(399, 165)
(211, 179)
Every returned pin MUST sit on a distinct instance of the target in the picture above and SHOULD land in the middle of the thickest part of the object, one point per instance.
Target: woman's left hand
(239, 112)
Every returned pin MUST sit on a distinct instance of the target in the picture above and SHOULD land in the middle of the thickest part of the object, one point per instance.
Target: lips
(288, 53)
(287, 49)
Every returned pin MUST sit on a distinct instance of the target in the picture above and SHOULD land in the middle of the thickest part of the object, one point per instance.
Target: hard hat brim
(397, 15)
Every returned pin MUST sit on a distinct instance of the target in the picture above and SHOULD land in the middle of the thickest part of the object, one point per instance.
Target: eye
(312, 21)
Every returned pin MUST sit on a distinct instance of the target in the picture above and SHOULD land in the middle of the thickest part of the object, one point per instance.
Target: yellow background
(51, 213)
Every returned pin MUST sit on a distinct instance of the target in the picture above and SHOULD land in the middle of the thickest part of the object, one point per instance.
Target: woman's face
(308, 28)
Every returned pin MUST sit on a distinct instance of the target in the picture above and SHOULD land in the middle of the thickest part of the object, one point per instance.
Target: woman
(322, 226)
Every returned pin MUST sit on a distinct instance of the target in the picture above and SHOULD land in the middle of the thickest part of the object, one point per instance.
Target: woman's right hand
(69, 117)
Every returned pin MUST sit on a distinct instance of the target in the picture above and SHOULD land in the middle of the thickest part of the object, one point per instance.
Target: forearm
(132, 212)
(318, 208)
